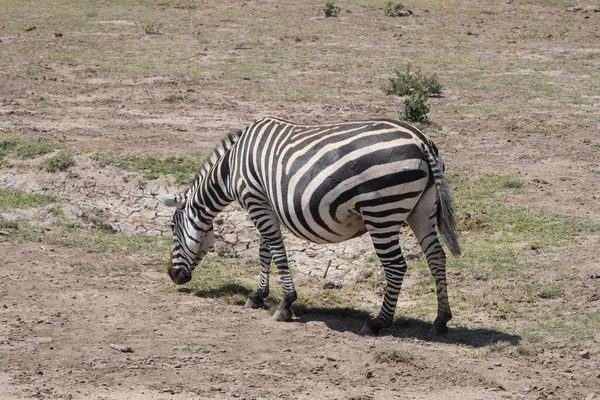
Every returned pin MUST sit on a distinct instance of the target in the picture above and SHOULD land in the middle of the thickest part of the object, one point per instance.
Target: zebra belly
(340, 213)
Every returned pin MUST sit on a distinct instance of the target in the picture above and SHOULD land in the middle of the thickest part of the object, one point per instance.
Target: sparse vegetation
(152, 29)
(152, 166)
(417, 87)
(551, 291)
(15, 198)
(61, 162)
(393, 356)
(408, 82)
(416, 107)
(331, 9)
(393, 9)
(23, 148)
(172, 98)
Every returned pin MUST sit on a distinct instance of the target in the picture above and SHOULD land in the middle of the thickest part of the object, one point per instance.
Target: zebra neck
(210, 190)
(213, 193)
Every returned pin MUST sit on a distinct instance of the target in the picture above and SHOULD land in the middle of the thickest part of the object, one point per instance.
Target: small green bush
(152, 29)
(330, 9)
(392, 10)
(416, 107)
(402, 84)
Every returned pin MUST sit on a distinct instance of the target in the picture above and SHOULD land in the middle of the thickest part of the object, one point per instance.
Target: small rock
(369, 374)
(584, 354)
(122, 349)
(332, 285)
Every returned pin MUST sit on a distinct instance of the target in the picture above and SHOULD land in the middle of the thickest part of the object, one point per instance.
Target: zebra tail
(445, 209)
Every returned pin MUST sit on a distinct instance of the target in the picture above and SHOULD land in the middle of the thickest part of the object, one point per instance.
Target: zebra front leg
(389, 252)
(267, 223)
(257, 298)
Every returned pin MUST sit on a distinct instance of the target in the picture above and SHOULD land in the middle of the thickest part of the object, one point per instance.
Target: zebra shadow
(348, 319)
(351, 320)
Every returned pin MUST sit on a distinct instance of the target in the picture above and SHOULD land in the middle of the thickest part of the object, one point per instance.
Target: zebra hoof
(366, 330)
(251, 304)
(438, 328)
(282, 315)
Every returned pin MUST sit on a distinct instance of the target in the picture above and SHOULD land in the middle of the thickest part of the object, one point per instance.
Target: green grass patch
(23, 148)
(497, 276)
(559, 325)
(501, 223)
(92, 240)
(15, 198)
(182, 167)
(60, 162)
(4, 224)
(551, 290)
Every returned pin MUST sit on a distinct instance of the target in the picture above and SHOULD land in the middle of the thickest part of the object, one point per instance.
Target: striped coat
(325, 183)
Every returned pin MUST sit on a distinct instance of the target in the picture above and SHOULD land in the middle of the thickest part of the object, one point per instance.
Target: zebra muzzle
(179, 276)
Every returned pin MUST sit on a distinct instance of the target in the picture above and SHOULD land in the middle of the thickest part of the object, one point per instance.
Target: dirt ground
(65, 335)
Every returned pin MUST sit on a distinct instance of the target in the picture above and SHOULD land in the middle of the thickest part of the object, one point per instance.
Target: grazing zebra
(326, 184)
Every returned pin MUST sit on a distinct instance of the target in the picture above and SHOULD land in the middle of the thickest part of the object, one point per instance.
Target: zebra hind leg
(387, 246)
(257, 298)
(422, 222)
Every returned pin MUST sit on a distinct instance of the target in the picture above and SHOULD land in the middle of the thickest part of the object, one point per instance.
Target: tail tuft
(445, 210)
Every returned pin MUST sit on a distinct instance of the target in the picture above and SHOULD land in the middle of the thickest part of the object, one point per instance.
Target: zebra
(325, 183)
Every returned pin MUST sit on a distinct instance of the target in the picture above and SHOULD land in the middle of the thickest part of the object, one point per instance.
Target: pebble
(584, 354)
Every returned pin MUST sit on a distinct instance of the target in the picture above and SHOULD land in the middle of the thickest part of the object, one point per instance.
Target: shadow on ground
(347, 319)
(351, 320)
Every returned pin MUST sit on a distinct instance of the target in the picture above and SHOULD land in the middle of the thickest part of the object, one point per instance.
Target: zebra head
(191, 239)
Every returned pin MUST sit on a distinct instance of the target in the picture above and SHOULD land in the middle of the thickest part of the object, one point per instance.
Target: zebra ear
(169, 200)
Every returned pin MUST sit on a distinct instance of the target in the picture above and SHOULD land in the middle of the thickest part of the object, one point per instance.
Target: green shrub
(416, 107)
(392, 10)
(152, 29)
(330, 9)
(406, 81)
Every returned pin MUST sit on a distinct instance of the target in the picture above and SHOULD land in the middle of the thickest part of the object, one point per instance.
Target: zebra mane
(216, 155)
